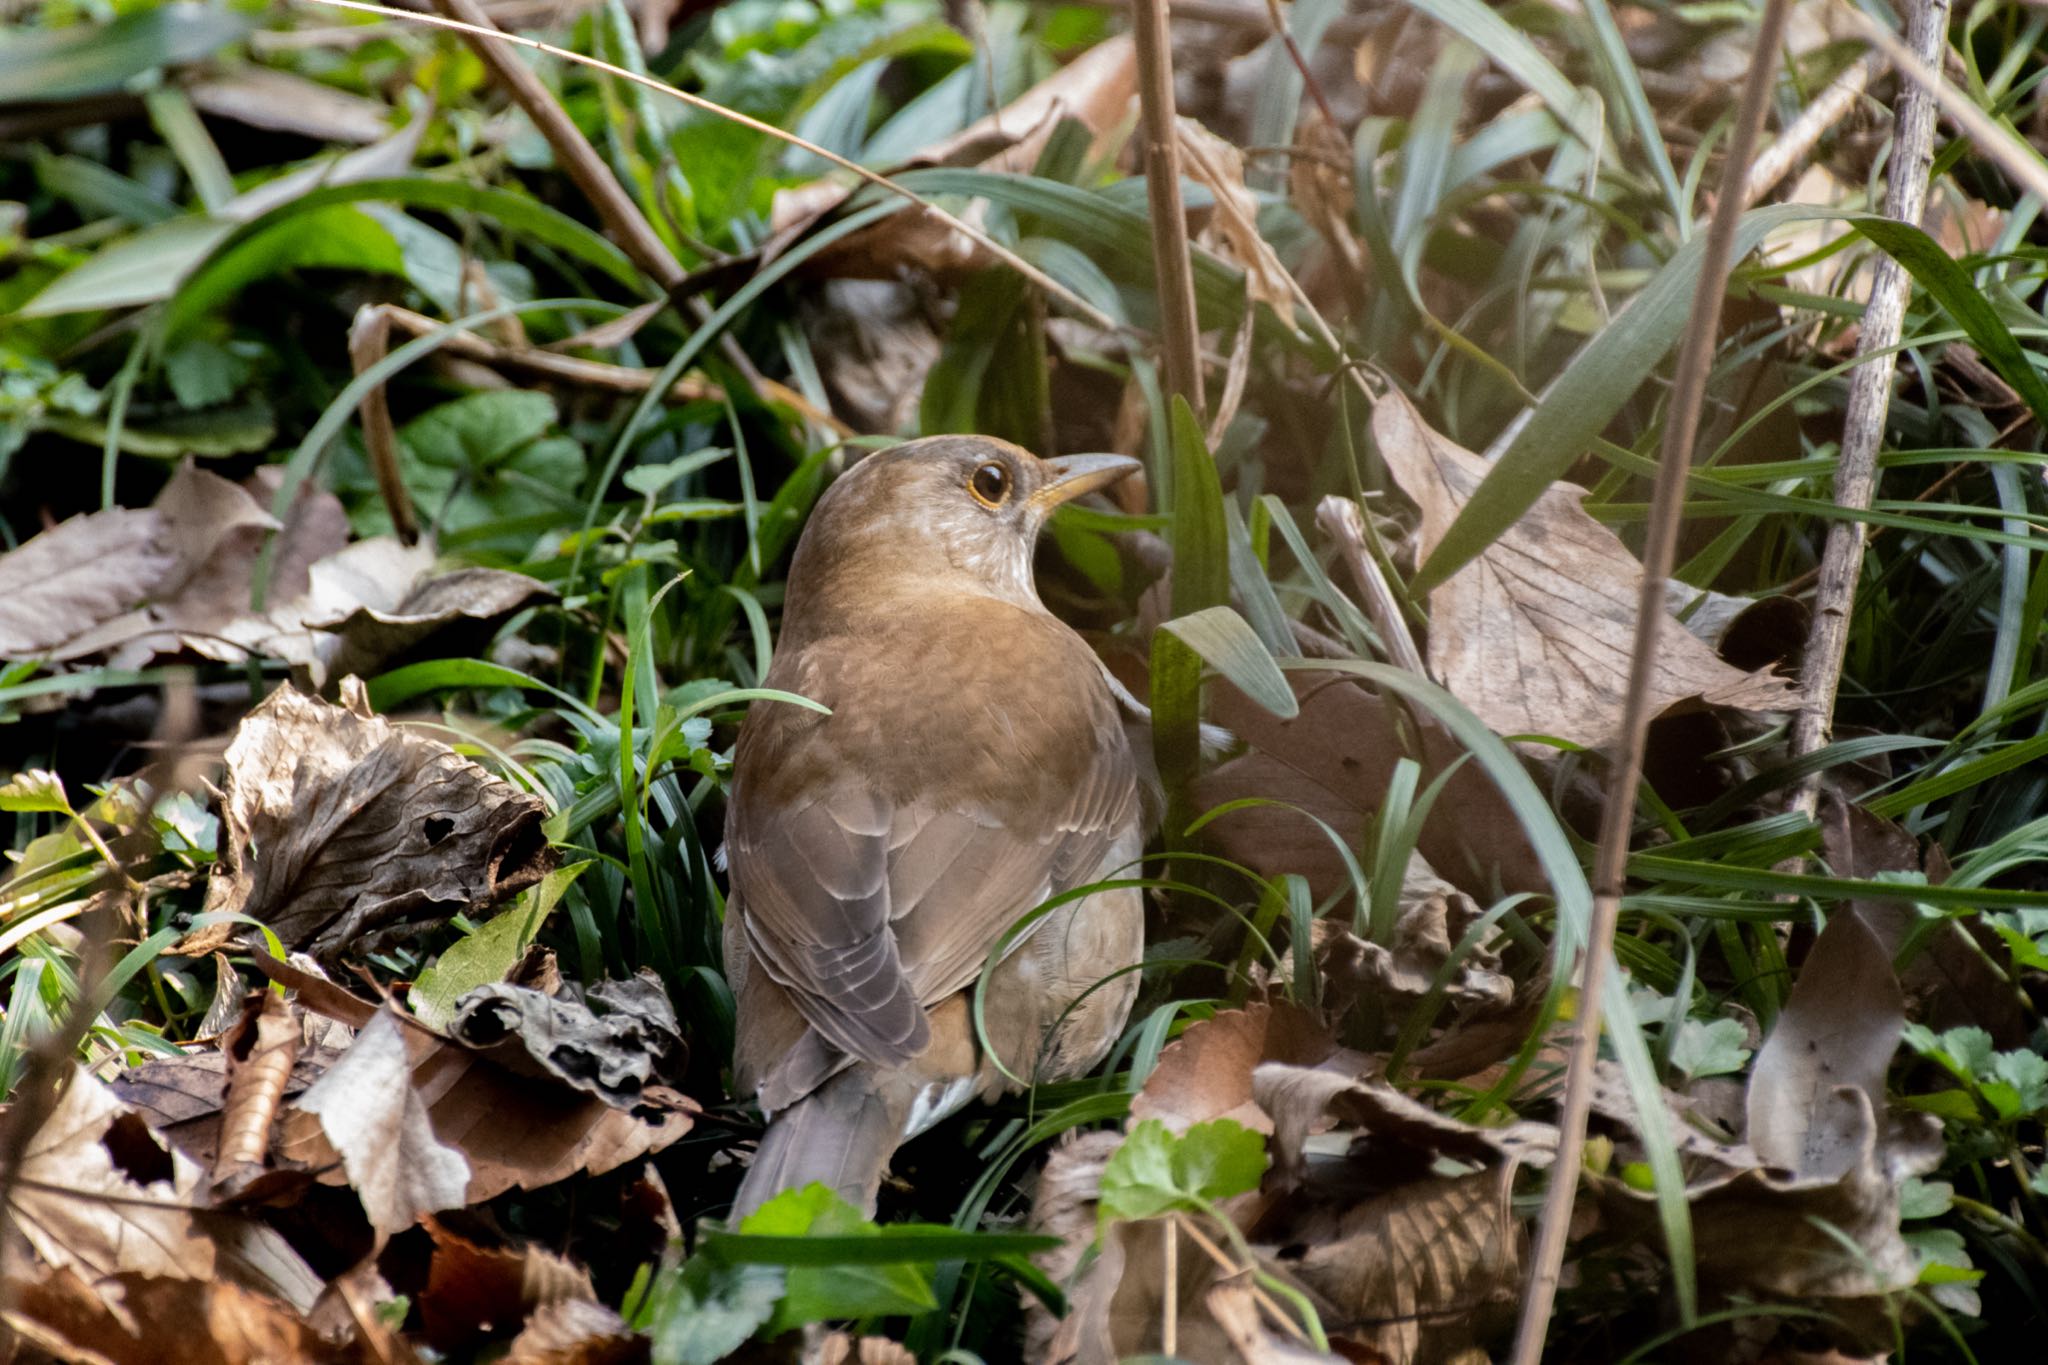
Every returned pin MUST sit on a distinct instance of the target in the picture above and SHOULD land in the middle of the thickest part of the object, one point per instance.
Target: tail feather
(842, 1134)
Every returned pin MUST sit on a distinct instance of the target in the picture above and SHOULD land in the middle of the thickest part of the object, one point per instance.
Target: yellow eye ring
(990, 484)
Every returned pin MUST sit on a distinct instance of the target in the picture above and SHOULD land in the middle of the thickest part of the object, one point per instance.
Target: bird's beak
(1074, 475)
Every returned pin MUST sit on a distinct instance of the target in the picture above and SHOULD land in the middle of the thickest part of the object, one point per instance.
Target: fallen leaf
(1234, 1305)
(1233, 231)
(266, 98)
(1434, 917)
(77, 574)
(1333, 761)
(614, 1043)
(1206, 1073)
(261, 1054)
(98, 1193)
(477, 1292)
(1535, 633)
(466, 606)
(336, 824)
(162, 1321)
(378, 1124)
(576, 1332)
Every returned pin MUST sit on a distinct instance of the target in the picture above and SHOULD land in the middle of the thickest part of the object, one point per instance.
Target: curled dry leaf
(1206, 1073)
(1233, 232)
(1333, 761)
(377, 1123)
(477, 1292)
(336, 824)
(1821, 1152)
(514, 1131)
(99, 1194)
(1234, 1305)
(260, 1055)
(1434, 917)
(576, 1332)
(1535, 633)
(616, 1043)
(461, 608)
(162, 1321)
(842, 1349)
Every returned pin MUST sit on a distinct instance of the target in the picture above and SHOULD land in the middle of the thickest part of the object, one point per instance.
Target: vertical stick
(1172, 268)
(1681, 424)
(1870, 396)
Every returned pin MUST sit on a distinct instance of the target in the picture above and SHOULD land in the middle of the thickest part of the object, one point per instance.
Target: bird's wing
(868, 912)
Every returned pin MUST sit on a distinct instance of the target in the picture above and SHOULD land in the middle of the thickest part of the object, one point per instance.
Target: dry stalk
(1342, 522)
(615, 208)
(1796, 143)
(996, 249)
(1172, 267)
(369, 339)
(1681, 425)
(1870, 395)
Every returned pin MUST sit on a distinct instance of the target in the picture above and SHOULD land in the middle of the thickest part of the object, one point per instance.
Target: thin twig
(615, 208)
(1308, 77)
(369, 340)
(996, 249)
(2002, 145)
(1681, 426)
(1173, 268)
(1342, 522)
(1796, 143)
(1870, 396)
(1222, 1259)
(1169, 1318)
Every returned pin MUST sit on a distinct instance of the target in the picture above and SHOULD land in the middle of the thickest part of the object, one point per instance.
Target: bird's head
(952, 513)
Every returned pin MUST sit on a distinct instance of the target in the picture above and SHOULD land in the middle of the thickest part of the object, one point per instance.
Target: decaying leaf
(576, 1332)
(1535, 633)
(513, 1130)
(614, 1043)
(99, 1194)
(337, 824)
(1333, 761)
(1234, 232)
(464, 603)
(475, 1292)
(1822, 1162)
(261, 1054)
(162, 1321)
(1434, 917)
(374, 1119)
(1406, 1258)
(80, 573)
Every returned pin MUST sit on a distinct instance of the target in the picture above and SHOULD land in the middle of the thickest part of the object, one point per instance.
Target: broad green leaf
(848, 1289)
(49, 63)
(1228, 645)
(489, 952)
(707, 1309)
(488, 457)
(1155, 1172)
(1711, 1047)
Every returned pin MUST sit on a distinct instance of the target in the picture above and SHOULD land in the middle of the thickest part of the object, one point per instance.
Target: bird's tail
(843, 1134)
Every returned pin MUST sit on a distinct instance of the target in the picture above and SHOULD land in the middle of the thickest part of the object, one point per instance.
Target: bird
(970, 765)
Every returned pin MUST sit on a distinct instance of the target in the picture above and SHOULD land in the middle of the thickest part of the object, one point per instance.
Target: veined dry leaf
(336, 824)
(77, 574)
(514, 1131)
(377, 1123)
(1535, 633)
(1334, 761)
(576, 1332)
(99, 1194)
(261, 1053)
(162, 1321)
(1206, 1073)
(1234, 1305)
(1434, 916)
(473, 601)
(615, 1043)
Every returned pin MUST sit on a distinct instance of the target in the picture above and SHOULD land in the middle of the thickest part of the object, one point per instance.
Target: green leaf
(1199, 536)
(849, 1289)
(88, 59)
(490, 951)
(1709, 1048)
(487, 457)
(709, 1308)
(1230, 646)
(35, 789)
(1154, 1172)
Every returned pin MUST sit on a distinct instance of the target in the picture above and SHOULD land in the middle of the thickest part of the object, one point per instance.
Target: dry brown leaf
(77, 574)
(1535, 633)
(514, 1131)
(1428, 1271)
(465, 605)
(1234, 230)
(575, 1332)
(338, 825)
(263, 97)
(98, 1193)
(615, 1042)
(379, 1126)
(1206, 1073)
(477, 1292)
(1434, 917)
(161, 1322)
(260, 1054)
(1234, 1305)
(1334, 761)
(840, 1349)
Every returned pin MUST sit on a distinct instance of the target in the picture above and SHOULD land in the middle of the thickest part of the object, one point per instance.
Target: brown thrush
(973, 766)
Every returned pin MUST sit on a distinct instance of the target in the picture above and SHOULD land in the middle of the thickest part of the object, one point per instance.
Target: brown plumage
(972, 766)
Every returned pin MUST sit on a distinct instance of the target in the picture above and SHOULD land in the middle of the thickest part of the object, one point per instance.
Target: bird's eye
(990, 484)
